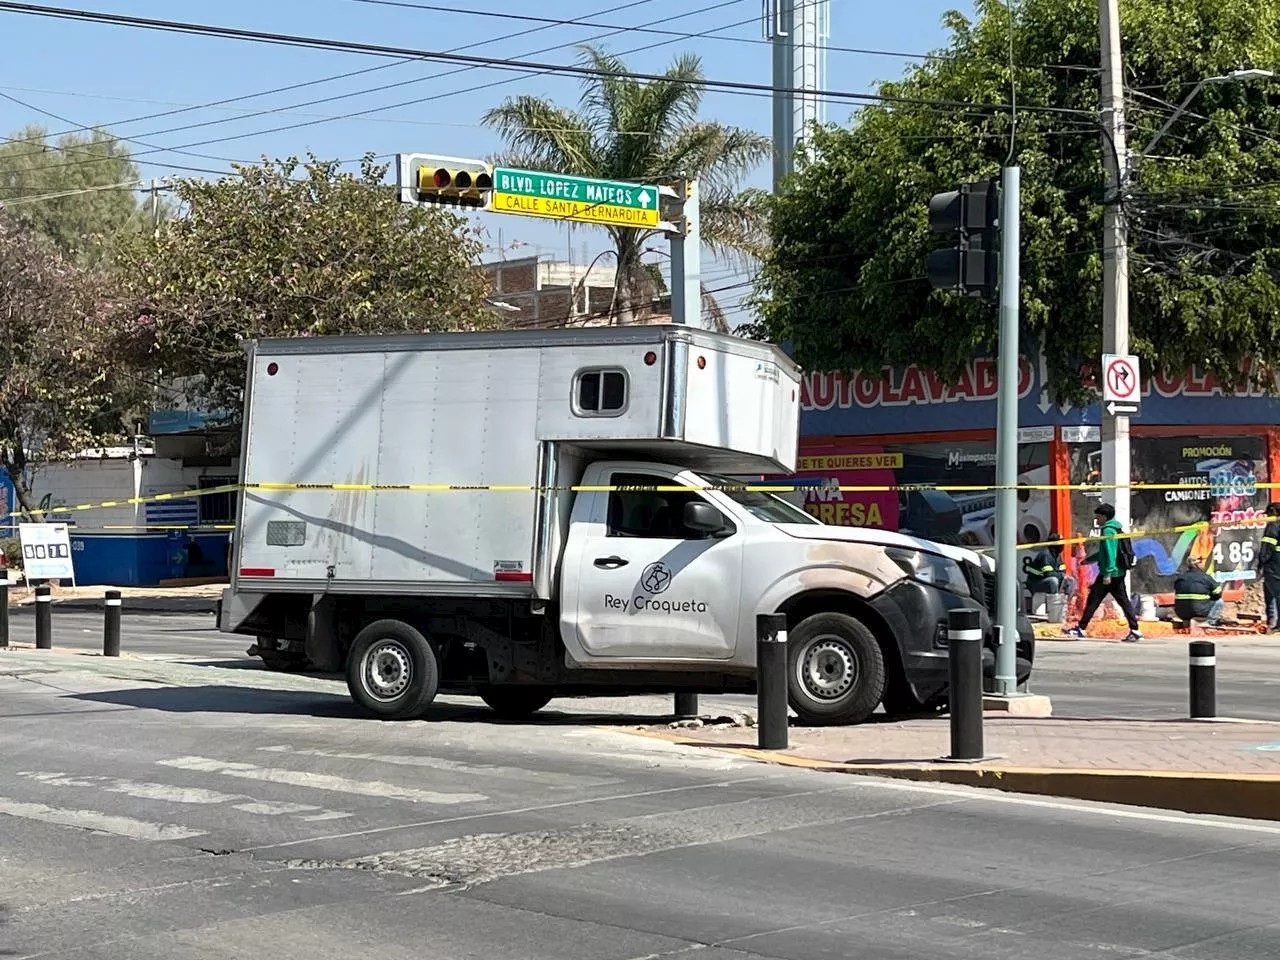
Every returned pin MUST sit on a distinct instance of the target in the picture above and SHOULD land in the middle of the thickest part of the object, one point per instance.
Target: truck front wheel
(514, 702)
(392, 671)
(835, 670)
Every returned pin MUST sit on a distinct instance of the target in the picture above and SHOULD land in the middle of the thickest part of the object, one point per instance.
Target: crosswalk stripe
(440, 763)
(170, 793)
(319, 781)
(101, 822)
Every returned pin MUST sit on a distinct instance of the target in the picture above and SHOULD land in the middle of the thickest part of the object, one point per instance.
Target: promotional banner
(963, 517)
(1222, 476)
(46, 551)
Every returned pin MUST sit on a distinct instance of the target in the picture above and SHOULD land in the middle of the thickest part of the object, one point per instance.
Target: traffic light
(972, 215)
(447, 181)
(461, 186)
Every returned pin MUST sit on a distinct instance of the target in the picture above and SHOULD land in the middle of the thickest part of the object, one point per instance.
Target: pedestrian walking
(1269, 566)
(1114, 558)
(1196, 595)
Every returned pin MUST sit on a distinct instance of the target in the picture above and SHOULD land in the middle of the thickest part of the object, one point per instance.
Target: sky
(117, 77)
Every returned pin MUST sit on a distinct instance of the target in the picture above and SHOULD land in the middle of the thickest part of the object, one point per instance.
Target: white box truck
(486, 513)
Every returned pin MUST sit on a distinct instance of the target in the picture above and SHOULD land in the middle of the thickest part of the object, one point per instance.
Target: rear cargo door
(646, 588)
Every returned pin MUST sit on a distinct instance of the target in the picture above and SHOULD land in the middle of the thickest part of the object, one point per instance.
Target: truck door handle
(610, 563)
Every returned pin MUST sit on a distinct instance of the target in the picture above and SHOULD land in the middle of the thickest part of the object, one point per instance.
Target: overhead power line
(187, 108)
(497, 63)
(530, 18)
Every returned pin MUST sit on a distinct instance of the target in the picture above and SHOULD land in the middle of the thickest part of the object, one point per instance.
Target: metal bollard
(4, 607)
(44, 618)
(771, 681)
(111, 625)
(964, 667)
(1203, 677)
(686, 705)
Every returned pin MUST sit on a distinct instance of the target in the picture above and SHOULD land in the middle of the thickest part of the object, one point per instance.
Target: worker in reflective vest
(1269, 565)
(1196, 595)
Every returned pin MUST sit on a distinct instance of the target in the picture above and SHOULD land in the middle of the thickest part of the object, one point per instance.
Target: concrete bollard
(772, 722)
(44, 618)
(111, 625)
(1203, 680)
(964, 667)
(4, 607)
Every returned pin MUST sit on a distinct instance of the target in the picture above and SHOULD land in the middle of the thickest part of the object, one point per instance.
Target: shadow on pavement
(229, 699)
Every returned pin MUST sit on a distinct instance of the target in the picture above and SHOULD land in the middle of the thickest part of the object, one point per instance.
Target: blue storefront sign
(913, 400)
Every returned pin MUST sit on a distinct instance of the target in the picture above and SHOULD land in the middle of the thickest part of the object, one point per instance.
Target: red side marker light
(650, 359)
(257, 572)
(272, 369)
(702, 363)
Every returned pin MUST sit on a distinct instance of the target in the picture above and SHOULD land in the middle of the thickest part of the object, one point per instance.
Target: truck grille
(979, 587)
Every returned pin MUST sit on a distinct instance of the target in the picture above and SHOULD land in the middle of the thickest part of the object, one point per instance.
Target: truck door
(647, 587)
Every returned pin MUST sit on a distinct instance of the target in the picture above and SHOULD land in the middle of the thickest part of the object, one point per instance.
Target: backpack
(1125, 558)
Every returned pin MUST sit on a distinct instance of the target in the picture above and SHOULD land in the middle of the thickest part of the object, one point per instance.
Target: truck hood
(885, 538)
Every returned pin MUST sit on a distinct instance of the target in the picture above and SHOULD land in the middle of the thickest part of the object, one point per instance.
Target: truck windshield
(760, 504)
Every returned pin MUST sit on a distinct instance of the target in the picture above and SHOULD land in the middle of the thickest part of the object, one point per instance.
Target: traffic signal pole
(1006, 679)
(686, 259)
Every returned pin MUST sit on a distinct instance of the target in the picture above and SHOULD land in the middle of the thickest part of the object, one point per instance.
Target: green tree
(62, 387)
(78, 191)
(286, 249)
(644, 132)
(843, 279)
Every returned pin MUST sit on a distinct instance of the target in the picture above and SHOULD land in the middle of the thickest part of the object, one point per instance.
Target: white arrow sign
(644, 199)
(1113, 408)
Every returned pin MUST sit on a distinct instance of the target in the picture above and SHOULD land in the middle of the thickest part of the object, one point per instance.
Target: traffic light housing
(445, 181)
(461, 186)
(970, 266)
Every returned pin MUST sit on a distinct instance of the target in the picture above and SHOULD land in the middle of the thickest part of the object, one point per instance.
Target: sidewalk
(1225, 767)
(200, 598)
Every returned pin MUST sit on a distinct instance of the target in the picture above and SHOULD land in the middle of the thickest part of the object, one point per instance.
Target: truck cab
(525, 515)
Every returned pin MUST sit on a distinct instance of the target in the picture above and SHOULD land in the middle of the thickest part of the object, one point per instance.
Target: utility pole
(1006, 679)
(155, 207)
(1115, 253)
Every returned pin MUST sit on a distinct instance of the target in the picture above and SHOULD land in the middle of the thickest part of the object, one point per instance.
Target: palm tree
(644, 132)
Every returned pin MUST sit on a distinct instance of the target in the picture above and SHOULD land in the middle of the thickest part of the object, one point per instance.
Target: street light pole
(1115, 254)
(1119, 166)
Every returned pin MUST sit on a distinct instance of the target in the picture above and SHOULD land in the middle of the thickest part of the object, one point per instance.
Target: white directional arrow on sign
(644, 199)
(1113, 408)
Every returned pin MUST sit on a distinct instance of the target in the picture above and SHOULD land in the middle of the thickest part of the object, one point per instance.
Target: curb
(1252, 796)
(140, 605)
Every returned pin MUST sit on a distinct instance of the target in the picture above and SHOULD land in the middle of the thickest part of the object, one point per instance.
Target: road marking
(319, 781)
(170, 793)
(101, 822)
(440, 763)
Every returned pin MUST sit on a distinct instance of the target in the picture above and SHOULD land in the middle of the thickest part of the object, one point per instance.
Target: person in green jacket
(1111, 580)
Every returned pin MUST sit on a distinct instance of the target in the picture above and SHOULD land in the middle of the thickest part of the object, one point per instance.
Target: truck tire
(514, 702)
(835, 670)
(392, 671)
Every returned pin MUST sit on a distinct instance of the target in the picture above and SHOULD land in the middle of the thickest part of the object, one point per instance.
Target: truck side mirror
(701, 517)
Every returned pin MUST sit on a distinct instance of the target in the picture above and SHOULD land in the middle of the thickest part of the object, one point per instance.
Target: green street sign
(532, 193)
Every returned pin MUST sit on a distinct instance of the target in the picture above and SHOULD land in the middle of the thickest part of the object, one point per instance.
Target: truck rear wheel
(513, 702)
(835, 670)
(392, 671)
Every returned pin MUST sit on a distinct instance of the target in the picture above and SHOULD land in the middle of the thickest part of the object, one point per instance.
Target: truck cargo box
(478, 410)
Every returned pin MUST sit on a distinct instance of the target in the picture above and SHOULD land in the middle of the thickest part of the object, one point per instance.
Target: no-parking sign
(1121, 381)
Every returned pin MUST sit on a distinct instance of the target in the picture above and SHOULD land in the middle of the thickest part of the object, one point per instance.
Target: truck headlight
(931, 568)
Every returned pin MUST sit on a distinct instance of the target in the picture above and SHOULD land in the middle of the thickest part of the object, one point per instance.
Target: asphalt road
(177, 811)
(1088, 678)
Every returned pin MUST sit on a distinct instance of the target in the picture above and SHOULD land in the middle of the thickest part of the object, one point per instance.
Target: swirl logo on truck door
(656, 578)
